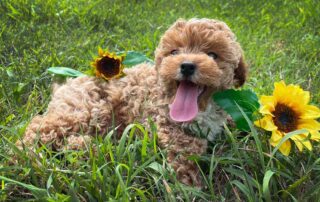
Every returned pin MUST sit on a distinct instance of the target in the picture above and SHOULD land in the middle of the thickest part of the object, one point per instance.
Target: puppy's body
(185, 67)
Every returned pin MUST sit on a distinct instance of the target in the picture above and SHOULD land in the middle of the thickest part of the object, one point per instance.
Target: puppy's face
(196, 58)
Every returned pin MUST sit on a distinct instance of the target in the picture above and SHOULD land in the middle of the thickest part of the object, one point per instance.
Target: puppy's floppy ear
(240, 73)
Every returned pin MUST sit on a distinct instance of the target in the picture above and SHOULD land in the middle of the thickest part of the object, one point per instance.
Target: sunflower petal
(291, 95)
(308, 124)
(315, 135)
(98, 74)
(312, 126)
(100, 52)
(285, 148)
(108, 65)
(275, 138)
(267, 104)
(302, 141)
(279, 90)
(302, 97)
(310, 112)
(266, 123)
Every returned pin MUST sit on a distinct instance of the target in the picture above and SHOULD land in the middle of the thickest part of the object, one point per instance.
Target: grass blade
(243, 189)
(265, 185)
(37, 192)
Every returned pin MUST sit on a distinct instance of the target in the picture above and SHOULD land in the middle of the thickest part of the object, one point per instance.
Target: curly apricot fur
(85, 106)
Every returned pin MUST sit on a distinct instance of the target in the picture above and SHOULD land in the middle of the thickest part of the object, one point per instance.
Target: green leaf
(246, 99)
(10, 73)
(244, 189)
(133, 58)
(120, 177)
(49, 182)
(37, 192)
(65, 71)
(265, 185)
(292, 188)
(157, 167)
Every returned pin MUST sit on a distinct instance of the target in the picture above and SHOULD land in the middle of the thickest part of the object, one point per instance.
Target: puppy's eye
(213, 55)
(174, 52)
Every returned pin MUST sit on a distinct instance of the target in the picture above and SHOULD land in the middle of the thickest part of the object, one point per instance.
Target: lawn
(280, 39)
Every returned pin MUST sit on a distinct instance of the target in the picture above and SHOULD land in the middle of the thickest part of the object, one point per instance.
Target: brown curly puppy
(194, 59)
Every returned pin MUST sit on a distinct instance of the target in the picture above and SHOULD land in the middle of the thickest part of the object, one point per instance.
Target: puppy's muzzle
(187, 69)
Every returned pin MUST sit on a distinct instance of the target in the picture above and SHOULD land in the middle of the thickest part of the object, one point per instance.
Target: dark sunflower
(108, 65)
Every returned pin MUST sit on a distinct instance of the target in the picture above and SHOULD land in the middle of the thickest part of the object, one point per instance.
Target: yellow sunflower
(287, 110)
(108, 65)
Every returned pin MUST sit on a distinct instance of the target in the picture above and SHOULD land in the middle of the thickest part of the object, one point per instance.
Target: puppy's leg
(78, 107)
(179, 147)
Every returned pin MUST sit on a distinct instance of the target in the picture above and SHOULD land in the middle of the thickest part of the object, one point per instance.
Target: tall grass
(280, 40)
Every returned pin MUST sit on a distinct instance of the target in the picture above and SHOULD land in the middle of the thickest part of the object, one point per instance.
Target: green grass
(281, 40)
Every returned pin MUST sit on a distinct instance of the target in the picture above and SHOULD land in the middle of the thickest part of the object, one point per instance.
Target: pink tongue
(185, 106)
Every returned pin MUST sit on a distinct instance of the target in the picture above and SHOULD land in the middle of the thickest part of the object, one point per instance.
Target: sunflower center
(285, 118)
(109, 67)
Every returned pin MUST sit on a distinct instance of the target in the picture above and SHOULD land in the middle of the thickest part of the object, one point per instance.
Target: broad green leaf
(133, 58)
(65, 71)
(246, 99)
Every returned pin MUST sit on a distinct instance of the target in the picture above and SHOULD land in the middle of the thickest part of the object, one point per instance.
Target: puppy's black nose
(187, 68)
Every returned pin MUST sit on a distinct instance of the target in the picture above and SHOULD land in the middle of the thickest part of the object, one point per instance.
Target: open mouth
(185, 105)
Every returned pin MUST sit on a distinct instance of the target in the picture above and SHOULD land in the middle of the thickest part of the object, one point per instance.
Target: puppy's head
(196, 58)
